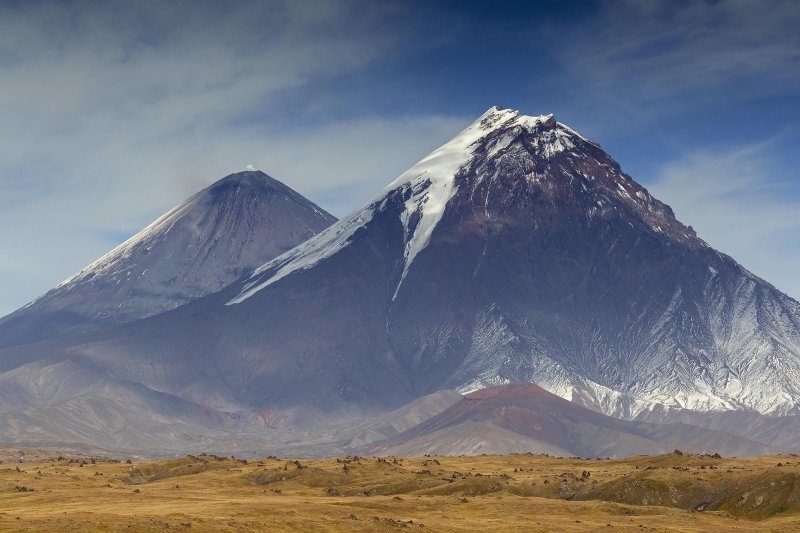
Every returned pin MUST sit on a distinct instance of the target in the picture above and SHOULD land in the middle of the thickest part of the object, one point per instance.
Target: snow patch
(306, 255)
(431, 183)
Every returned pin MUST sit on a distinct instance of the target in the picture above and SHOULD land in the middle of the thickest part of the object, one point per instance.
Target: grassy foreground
(484, 493)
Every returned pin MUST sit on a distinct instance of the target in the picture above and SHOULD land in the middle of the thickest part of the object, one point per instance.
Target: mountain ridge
(600, 178)
(525, 418)
(497, 128)
(215, 237)
(537, 259)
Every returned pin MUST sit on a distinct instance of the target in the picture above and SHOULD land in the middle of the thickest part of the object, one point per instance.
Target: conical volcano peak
(503, 166)
(215, 237)
(499, 118)
(247, 178)
(543, 133)
(254, 185)
(517, 157)
(497, 126)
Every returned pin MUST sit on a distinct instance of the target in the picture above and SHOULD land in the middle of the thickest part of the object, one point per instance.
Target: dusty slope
(523, 417)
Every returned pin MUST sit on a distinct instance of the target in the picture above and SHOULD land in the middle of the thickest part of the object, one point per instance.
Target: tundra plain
(42, 491)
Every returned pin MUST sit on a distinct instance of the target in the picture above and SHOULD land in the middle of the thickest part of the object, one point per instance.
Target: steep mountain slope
(518, 251)
(523, 417)
(521, 251)
(211, 240)
(355, 437)
(68, 402)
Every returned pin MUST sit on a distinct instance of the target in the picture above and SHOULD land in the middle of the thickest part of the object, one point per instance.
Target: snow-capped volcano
(212, 239)
(431, 184)
(518, 251)
(521, 251)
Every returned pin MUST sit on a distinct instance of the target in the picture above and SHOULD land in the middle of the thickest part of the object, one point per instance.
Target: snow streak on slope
(431, 183)
(307, 254)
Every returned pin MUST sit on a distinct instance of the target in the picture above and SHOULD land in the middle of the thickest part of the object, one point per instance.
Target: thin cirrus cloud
(658, 49)
(741, 204)
(642, 64)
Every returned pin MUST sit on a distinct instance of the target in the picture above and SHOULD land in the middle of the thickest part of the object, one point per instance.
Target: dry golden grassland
(470, 494)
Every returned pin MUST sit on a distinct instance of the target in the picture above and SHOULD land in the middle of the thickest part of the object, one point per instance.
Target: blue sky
(113, 112)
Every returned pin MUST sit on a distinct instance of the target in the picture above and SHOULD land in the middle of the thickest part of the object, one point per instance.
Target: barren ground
(466, 494)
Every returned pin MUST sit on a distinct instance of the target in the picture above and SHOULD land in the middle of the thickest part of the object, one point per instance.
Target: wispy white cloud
(644, 63)
(739, 202)
(655, 49)
(113, 112)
